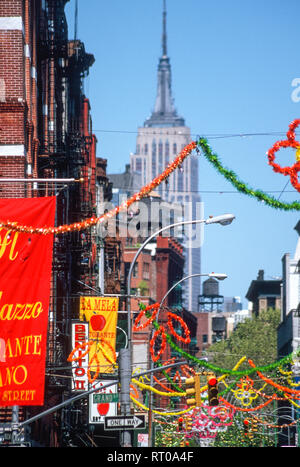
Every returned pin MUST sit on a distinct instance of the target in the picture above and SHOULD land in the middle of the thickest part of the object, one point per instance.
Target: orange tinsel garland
(78, 226)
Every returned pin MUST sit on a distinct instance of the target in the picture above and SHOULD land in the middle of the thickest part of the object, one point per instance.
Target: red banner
(25, 272)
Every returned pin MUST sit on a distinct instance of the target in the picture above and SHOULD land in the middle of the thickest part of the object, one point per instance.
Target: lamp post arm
(196, 221)
(177, 283)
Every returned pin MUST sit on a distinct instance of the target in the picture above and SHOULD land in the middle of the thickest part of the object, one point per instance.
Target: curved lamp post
(224, 219)
(220, 277)
(125, 355)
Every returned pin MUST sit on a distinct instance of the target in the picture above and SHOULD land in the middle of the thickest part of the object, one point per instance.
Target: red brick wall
(13, 107)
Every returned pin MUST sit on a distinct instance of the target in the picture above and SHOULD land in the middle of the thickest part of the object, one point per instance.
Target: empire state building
(159, 141)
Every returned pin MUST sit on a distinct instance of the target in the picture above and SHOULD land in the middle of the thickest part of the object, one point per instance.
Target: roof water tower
(210, 300)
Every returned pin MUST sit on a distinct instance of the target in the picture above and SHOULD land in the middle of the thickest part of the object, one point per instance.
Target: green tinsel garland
(217, 369)
(241, 186)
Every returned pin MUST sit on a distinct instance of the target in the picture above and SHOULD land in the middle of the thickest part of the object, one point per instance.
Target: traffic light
(180, 424)
(246, 426)
(184, 443)
(193, 388)
(254, 425)
(188, 423)
(212, 390)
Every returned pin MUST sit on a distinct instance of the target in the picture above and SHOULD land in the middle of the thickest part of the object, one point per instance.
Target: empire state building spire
(164, 114)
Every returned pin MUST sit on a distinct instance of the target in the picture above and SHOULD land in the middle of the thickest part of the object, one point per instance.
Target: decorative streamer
(216, 369)
(176, 163)
(78, 226)
(293, 170)
(241, 186)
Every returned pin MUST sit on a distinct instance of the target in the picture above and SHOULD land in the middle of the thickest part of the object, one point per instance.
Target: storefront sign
(102, 315)
(80, 335)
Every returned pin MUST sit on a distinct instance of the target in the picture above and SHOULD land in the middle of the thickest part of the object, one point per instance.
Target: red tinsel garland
(159, 331)
(291, 141)
(186, 339)
(155, 308)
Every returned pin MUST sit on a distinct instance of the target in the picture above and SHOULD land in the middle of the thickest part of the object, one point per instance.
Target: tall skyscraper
(162, 137)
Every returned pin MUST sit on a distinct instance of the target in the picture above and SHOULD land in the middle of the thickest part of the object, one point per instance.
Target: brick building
(46, 134)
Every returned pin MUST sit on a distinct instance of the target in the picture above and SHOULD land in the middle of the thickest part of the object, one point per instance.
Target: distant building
(289, 328)
(159, 141)
(264, 294)
(288, 335)
(232, 304)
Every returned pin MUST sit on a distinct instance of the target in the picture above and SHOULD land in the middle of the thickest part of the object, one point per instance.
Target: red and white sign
(80, 335)
(98, 411)
(25, 273)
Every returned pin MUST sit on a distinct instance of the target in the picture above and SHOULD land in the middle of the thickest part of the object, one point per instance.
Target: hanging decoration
(292, 170)
(145, 311)
(240, 185)
(87, 223)
(93, 368)
(234, 372)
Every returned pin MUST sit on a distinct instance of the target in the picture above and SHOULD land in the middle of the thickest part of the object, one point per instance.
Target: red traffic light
(212, 381)
(180, 424)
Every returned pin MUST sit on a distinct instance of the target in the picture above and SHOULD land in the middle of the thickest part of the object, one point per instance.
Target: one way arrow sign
(130, 423)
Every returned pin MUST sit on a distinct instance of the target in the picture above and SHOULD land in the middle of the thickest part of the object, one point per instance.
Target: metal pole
(224, 219)
(134, 261)
(15, 421)
(163, 299)
(125, 378)
(129, 286)
(34, 180)
(90, 391)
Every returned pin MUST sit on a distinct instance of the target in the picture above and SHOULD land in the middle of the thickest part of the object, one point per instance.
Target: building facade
(47, 148)
(162, 137)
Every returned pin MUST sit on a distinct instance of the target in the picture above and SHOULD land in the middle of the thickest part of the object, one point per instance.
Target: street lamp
(220, 277)
(125, 355)
(223, 219)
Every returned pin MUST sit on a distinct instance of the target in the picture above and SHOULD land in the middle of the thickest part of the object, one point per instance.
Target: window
(135, 270)
(153, 158)
(271, 302)
(160, 157)
(174, 148)
(146, 270)
(138, 165)
(167, 151)
(146, 149)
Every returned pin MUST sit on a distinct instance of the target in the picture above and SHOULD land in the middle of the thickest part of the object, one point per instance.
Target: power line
(207, 135)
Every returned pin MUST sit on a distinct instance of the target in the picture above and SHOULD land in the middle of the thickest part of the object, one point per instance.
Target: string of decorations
(240, 185)
(292, 171)
(87, 223)
(291, 141)
(166, 338)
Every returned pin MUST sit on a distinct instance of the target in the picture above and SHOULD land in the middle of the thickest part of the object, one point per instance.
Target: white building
(159, 141)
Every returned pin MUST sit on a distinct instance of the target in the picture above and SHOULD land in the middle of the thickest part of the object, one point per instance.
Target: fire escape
(67, 149)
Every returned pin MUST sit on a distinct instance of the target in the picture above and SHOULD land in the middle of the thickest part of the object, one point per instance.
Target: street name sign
(106, 397)
(131, 422)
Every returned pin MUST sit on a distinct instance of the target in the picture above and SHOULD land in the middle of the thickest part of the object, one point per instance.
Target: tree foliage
(255, 338)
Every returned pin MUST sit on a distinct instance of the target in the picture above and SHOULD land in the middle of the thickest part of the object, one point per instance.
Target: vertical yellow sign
(102, 315)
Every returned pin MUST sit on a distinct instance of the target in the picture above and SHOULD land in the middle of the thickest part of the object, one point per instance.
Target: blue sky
(233, 64)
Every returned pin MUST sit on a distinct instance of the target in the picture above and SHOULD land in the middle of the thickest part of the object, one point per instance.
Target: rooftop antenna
(164, 35)
(76, 20)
